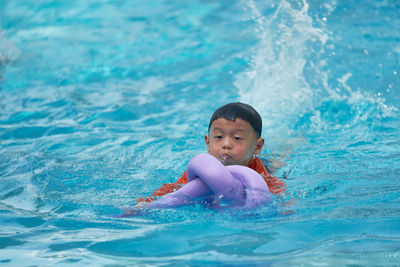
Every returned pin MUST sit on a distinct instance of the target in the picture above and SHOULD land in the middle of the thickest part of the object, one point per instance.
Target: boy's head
(234, 134)
(243, 111)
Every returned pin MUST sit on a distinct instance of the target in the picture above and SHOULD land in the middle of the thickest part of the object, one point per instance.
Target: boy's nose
(227, 144)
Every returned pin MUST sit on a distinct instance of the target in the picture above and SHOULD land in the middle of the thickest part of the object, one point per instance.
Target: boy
(234, 138)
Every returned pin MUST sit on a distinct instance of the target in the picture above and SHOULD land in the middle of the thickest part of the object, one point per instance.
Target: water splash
(289, 80)
(275, 84)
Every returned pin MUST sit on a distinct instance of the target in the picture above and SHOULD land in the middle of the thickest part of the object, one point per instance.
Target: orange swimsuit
(275, 185)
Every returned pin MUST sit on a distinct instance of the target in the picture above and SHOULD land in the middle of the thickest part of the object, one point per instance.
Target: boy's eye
(218, 136)
(237, 138)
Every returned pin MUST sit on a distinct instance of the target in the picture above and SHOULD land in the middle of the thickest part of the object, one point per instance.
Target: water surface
(102, 102)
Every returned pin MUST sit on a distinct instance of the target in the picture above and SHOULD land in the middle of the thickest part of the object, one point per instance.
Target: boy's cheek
(241, 152)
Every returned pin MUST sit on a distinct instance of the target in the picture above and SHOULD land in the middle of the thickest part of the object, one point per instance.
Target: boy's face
(233, 142)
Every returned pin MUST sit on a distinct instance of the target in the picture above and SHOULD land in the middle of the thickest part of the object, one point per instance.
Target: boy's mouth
(225, 158)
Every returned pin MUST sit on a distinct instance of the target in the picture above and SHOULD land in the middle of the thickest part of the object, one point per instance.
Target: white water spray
(275, 84)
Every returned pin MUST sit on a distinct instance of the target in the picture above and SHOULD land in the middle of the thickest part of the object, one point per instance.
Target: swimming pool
(101, 102)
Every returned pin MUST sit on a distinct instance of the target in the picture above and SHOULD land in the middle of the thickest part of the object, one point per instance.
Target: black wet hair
(240, 110)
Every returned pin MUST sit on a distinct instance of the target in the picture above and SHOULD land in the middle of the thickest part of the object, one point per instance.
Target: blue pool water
(101, 102)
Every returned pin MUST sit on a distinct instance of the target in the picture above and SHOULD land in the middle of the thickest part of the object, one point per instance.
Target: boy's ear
(259, 145)
(207, 139)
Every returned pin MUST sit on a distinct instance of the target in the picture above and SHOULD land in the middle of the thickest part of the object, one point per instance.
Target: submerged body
(210, 181)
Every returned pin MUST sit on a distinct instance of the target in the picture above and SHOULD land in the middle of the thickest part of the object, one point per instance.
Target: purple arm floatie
(208, 178)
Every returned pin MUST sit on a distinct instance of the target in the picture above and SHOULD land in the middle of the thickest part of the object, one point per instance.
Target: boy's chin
(227, 162)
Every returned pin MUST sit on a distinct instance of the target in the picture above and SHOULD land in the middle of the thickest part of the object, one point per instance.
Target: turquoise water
(101, 102)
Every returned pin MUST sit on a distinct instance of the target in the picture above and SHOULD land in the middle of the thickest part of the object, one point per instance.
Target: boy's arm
(165, 189)
(275, 185)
